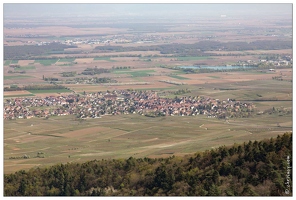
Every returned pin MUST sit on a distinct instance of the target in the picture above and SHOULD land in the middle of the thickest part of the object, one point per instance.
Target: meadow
(190, 58)
(138, 73)
(16, 77)
(49, 91)
(178, 77)
(66, 60)
(8, 62)
(25, 68)
(105, 58)
(18, 95)
(46, 62)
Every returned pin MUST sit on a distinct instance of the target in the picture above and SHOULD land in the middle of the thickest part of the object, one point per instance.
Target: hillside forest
(254, 168)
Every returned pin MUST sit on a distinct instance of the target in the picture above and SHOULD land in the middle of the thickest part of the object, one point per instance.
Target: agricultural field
(16, 77)
(138, 73)
(71, 140)
(26, 68)
(190, 58)
(144, 57)
(49, 91)
(10, 94)
(178, 77)
(66, 60)
(46, 62)
(8, 62)
(105, 58)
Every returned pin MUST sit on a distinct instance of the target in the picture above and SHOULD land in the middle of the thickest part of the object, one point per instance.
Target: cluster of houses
(95, 105)
(118, 39)
(281, 61)
(115, 39)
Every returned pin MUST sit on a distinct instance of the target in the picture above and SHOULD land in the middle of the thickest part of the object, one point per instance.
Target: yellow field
(83, 60)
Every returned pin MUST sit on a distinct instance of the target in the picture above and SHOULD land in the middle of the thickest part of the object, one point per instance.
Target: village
(36, 39)
(147, 103)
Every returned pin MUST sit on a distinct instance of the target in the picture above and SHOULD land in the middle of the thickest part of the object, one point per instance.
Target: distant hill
(254, 168)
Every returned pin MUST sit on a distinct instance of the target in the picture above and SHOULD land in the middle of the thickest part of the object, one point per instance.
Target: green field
(178, 77)
(139, 73)
(46, 62)
(49, 91)
(66, 139)
(55, 52)
(20, 95)
(15, 77)
(25, 68)
(190, 58)
(105, 58)
(66, 59)
(14, 62)
(7, 62)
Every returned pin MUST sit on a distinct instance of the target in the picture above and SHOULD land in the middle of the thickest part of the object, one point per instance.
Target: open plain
(66, 139)
(68, 54)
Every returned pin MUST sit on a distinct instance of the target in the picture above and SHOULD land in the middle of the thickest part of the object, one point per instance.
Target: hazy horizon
(14, 10)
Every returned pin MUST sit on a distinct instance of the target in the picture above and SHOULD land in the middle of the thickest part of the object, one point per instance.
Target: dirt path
(164, 145)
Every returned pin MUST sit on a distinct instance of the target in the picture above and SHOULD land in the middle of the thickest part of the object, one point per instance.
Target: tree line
(27, 51)
(95, 70)
(34, 87)
(197, 49)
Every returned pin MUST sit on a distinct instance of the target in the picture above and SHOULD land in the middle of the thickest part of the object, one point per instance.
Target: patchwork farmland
(70, 58)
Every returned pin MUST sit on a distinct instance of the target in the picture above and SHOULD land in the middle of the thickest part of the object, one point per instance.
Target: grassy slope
(127, 135)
